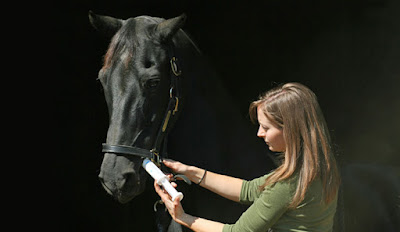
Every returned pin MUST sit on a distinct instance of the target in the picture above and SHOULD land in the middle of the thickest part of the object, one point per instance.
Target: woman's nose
(260, 132)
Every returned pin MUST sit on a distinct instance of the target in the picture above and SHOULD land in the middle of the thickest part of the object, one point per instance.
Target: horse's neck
(211, 132)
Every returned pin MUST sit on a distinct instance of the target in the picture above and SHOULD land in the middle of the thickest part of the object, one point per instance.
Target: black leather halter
(156, 154)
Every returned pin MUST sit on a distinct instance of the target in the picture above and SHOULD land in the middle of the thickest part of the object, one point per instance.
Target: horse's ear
(167, 29)
(105, 24)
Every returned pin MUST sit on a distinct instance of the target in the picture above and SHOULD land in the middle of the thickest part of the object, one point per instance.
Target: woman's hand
(176, 166)
(174, 207)
(194, 174)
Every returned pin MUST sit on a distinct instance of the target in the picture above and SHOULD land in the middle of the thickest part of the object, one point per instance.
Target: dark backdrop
(347, 51)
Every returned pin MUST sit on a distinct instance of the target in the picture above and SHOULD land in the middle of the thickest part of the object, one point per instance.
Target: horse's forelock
(126, 39)
(123, 41)
(149, 19)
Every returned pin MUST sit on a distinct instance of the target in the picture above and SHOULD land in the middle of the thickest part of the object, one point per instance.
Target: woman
(299, 195)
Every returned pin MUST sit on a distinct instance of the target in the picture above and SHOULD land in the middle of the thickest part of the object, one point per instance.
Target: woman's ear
(105, 24)
(168, 28)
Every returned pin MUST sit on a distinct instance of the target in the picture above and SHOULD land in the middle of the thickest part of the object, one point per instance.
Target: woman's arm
(199, 224)
(271, 204)
(178, 214)
(225, 186)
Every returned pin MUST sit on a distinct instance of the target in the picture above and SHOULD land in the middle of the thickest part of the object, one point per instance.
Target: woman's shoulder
(292, 182)
(286, 185)
(280, 193)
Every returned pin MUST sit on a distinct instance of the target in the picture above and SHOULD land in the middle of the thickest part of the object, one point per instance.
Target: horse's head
(137, 86)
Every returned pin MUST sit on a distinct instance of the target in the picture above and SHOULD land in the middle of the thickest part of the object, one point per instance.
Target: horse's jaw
(122, 180)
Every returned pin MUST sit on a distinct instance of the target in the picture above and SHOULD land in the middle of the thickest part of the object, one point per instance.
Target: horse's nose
(108, 190)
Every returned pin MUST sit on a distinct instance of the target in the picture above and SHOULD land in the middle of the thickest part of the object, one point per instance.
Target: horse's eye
(148, 64)
(152, 83)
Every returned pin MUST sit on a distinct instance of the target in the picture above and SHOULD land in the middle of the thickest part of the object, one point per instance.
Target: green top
(269, 208)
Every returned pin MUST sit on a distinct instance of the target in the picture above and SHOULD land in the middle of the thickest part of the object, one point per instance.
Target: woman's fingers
(170, 176)
(176, 202)
(175, 166)
(162, 193)
(157, 187)
(174, 207)
(169, 163)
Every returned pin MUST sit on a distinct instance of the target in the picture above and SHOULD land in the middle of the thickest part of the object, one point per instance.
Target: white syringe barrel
(161, 179)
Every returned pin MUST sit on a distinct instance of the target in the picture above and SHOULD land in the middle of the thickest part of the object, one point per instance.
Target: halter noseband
(174, 96)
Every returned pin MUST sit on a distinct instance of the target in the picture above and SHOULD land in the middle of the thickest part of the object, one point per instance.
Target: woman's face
(272, 135)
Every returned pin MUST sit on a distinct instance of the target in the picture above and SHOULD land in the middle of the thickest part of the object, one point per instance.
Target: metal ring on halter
(171, 95)
(176, 105)
(174, 66)
(156, 157)
(156, 203)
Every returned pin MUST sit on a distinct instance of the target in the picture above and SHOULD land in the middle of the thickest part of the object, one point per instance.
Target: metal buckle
(174, 66)
(176, 105)
(172, 95)
(156, 157)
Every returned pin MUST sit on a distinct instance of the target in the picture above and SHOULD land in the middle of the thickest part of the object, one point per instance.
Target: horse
(165, 100)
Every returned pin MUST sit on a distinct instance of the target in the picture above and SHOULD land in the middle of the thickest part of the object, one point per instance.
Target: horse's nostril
(129, 177)
(101, 179)
(108, 190)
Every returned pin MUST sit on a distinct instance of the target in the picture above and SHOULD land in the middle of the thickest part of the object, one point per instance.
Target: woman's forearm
(199, 224)
(225, 186)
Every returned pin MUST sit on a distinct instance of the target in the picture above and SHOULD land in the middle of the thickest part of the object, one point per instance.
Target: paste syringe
(161, 179)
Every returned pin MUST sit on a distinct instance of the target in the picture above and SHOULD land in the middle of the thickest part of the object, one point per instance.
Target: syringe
(161, 179)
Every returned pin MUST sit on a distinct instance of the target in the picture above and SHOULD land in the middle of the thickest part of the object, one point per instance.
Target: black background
(346, 51)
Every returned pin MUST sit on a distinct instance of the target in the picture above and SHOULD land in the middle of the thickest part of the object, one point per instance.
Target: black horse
(164, 99)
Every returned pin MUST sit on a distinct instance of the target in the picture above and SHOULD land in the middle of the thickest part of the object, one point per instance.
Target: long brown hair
(294, 108)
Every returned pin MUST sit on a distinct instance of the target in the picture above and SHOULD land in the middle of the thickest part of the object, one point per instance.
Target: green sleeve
(251, 190)
(271, 204)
